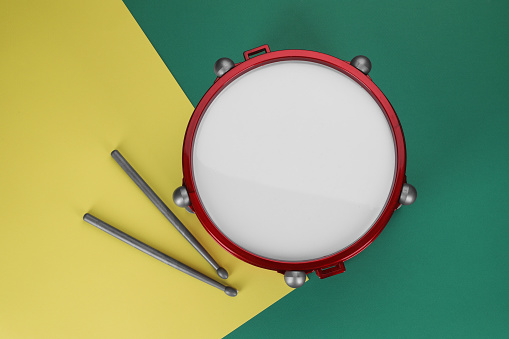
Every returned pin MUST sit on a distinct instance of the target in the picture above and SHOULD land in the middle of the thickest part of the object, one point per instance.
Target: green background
(440, 268)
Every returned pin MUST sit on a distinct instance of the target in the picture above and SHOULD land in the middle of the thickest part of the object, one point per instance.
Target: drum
(294, 161)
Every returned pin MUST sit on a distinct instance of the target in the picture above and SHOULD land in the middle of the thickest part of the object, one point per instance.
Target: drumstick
(230, 291)
(221, 272)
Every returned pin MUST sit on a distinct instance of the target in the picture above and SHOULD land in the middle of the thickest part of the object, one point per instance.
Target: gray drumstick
(230, 291)
(221, 272)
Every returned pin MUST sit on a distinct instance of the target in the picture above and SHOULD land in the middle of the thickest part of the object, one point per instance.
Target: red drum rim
(324, 266)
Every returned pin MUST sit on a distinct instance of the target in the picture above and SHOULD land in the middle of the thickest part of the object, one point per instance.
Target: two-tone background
(81, 78)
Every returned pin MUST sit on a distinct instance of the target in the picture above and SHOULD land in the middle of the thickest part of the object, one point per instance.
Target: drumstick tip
(230, 291)
(222, 273)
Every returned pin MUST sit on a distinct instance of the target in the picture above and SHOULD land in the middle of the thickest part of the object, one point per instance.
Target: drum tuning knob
(222, 66)
(408, 195)
(181, 198)
(295, 279)
(362, 63)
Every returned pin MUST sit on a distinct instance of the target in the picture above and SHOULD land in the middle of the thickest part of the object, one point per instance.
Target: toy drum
(294, 161)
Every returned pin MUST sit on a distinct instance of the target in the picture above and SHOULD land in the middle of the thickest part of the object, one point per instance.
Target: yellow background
(79, 79)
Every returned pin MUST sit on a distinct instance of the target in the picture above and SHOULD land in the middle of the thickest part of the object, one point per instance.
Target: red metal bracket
(326, 272)
(262, 48)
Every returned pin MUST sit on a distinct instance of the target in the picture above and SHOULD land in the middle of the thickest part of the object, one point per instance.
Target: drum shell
(332, 264)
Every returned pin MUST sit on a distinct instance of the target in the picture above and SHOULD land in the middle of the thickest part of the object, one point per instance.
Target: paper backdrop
(78, 80)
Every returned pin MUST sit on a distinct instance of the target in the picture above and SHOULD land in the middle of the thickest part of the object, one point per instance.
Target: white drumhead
(294, 161)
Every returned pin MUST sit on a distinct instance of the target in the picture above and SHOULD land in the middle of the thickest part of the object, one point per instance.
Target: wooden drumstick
(230, 291)
(221, 272)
